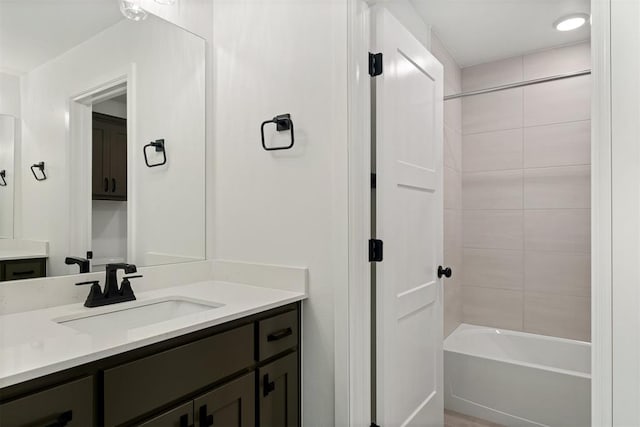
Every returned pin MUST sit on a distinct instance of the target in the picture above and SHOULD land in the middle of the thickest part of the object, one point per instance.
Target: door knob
(446, 272)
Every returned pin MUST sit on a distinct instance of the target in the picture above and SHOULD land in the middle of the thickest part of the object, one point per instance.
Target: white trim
(359, 152)
(601, 273)
(80, 125)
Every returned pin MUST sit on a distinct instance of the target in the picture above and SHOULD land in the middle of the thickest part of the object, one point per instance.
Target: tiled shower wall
(526, 196)
(452, 187)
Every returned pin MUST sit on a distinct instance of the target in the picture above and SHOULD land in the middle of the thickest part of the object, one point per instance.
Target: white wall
(164, 57)
(9, 94)
(111, 107)
(7, 132)
(405, 12)
(109, 231)
(272, 57)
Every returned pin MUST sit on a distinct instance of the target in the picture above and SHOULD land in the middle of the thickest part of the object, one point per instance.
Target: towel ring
(283, 122)
(41, 167)
(158, 144)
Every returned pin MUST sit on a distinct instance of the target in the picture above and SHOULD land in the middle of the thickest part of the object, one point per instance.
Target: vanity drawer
(24, 269)
(277, 334)
(71, 401)
(138, 387)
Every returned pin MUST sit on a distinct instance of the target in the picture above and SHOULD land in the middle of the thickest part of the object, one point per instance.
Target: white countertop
(9, 255)
(32, 344)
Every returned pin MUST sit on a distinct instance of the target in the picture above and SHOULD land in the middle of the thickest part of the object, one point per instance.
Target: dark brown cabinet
(231, 405)
(109, 173)
(182, 416)
(23, 269)
(278, 392)
(69, 405)
(240, 374)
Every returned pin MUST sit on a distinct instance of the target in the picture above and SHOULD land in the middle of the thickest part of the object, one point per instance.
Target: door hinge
(374, 180)
(375, 250)
(375, 64)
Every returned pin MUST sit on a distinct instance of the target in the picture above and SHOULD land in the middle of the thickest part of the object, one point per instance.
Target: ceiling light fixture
(571, 22)
(131, 9)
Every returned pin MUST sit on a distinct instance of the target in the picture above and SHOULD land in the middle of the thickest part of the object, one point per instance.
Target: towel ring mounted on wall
(41, 167)
(3, 174)
(283, 122)
(158, 144)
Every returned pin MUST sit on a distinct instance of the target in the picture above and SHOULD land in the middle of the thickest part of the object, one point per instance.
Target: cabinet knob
(205, 419)
(267, 386)
(184, 421)
(62, 420)
(446, 272)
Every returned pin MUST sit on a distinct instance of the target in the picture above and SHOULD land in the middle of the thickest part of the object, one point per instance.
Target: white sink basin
(135, 314)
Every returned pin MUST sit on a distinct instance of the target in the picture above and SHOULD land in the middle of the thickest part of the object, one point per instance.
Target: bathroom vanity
(243, 373)
(236, 362)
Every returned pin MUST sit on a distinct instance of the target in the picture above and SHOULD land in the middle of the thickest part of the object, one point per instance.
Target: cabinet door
(118, 162)
(182, 416)
(66, 405)
(100, 180)
(279, 392)
(231, 405)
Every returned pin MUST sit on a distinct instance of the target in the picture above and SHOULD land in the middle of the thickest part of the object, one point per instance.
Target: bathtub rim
(469, 328)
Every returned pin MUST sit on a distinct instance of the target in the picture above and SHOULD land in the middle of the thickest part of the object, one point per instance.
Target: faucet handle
(132, 277)
(90, 282)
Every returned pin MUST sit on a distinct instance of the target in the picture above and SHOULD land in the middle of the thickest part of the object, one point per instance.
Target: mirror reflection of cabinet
(109, 169)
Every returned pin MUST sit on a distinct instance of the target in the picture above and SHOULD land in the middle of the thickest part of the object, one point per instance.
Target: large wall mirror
(102, 139)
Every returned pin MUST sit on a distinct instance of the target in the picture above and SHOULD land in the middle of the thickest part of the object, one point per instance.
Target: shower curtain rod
(519, 84)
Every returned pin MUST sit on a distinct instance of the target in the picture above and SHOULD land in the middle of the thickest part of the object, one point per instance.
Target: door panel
(182, 416)
(232, 405)
(278, 392)
(118, 167)
(409, 219)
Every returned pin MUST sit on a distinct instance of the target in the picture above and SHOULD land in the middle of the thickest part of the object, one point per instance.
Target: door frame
(80, 153)
(355, 372)
(601, 214)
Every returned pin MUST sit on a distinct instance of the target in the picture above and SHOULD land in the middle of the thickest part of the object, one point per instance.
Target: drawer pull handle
(62, 420)
(184, 421)
(23, 273)
(267, 386)
(277, 336)
(205, 420)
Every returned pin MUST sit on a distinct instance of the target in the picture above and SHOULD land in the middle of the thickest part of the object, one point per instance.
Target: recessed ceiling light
(571, 22)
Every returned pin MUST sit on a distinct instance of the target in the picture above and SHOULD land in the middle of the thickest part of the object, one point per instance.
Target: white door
(409, 220)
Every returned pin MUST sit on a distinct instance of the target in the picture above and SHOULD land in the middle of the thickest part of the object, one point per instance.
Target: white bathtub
(517, 379)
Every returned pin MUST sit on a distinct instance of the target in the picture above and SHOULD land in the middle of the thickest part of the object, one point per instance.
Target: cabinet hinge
(374, 180)
(375, 64)
(375, 250)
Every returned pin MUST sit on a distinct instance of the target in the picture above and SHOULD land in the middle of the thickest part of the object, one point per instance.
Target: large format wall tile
(488, 151)
(552, 62)
(498, 308)
(558, 315)
(492, 190)
(557, 102)
(557, 187)
(492, 229)
(492, 74)
(557, 273)
(452, 189)
(493, 268)
(559, 144)
(562, 230)
(492, 111)
(452, 148)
